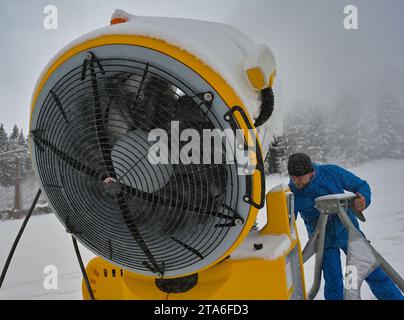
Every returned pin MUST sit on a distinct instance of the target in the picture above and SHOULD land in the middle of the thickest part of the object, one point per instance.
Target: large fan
(93, 114)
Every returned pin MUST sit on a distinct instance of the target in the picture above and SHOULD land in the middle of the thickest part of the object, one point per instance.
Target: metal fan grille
(91, 156)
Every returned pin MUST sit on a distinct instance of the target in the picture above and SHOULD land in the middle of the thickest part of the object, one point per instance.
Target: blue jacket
(328, 179)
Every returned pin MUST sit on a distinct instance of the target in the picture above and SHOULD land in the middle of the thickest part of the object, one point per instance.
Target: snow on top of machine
(221, 47)
(273, 246)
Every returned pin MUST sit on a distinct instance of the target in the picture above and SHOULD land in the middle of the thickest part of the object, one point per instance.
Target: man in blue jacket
(309, 181)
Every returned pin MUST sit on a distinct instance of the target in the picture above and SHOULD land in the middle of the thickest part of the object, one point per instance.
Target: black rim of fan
(85, 113)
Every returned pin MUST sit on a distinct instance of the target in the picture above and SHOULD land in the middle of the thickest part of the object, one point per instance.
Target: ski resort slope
(45, 242)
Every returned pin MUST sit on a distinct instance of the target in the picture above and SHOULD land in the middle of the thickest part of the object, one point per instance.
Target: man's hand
(360, 203)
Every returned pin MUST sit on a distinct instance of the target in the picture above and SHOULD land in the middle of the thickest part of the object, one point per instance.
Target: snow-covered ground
(28, 190)
(46, 243)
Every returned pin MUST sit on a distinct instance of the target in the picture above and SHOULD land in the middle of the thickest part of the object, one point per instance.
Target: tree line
(12, 146)
(356, 128)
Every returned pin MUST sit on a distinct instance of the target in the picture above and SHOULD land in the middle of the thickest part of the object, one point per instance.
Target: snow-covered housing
(223, 48)
(87, 125)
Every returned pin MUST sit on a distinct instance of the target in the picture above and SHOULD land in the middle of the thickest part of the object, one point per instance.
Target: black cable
(267, 106)
(17, 239)
(83, 270)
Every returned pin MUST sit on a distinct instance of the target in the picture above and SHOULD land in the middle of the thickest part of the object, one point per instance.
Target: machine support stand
(17, 239)
(315, 246)
(362, 259)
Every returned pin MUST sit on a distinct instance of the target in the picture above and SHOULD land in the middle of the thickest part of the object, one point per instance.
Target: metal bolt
(208, 97)
(227, 118)
(89, 56)
(246, 199)
(238, 222)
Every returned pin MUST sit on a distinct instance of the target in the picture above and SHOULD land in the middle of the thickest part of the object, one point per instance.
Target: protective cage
(90, 146)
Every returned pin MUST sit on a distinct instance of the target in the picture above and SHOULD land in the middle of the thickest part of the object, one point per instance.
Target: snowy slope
(46, 243)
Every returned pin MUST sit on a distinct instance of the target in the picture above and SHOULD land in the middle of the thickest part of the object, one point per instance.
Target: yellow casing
(257, 79)
(247, 279)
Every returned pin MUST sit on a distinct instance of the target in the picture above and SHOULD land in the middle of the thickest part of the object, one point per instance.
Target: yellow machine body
(227, 278)
(231, 279)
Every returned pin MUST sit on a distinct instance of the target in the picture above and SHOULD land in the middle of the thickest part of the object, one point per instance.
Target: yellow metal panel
(272, 79)
(98, 271)
(249, 279)
(277, 214)
(256, 78)
(124, 285)
(257, 191)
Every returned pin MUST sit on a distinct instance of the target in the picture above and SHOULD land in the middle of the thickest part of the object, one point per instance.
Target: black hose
(17, 239)
(267, 106)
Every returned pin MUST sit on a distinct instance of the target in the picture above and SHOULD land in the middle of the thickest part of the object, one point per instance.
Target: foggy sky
(317, 58)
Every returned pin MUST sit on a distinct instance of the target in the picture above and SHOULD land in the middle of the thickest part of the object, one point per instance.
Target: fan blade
(171, 203)
(74, 163)
(100, 130)
(189, 248)
(130, 222)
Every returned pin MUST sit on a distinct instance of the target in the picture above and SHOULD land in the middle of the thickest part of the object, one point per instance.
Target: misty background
(343, 89)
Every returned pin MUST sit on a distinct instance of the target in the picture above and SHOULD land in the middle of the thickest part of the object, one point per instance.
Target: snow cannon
(148, 138)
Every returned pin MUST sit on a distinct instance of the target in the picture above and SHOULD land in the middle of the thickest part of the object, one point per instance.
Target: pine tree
(361, 125)
(21, 139)
(13, 139)
(282, 153)
(306, 131)
(276, 161)
(273, 159)
(7, 160)
(389, 137)
(15, 133)
(3, 139)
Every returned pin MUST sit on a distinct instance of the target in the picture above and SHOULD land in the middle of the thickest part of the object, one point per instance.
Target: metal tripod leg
(362, 260)
(315, 246)
(17, 239)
